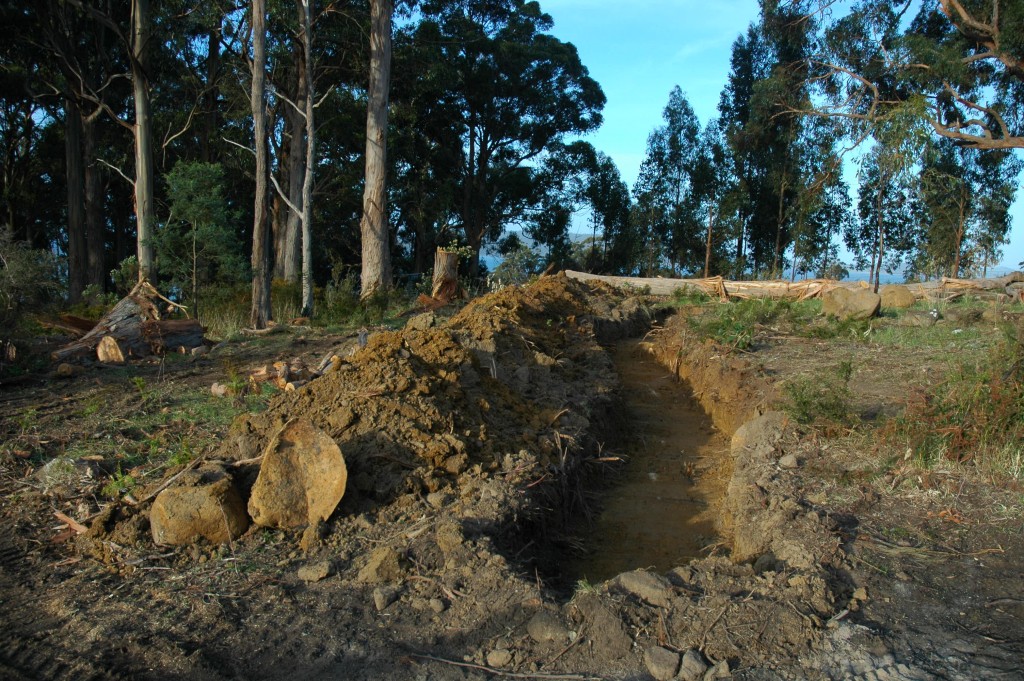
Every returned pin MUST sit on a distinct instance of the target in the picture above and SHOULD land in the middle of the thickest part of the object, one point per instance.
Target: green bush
(29, 279)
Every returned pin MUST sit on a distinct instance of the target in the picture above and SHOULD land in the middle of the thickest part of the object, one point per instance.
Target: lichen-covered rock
(302, 477)
(211, 509)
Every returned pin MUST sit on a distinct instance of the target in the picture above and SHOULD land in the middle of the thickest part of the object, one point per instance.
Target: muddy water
(662, 510)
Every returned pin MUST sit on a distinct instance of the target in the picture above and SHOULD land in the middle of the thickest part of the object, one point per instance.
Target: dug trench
(477, 450)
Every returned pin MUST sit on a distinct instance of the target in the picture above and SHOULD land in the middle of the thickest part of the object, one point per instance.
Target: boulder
(210, 509)
(301, 480)
(897, 296)
(851, 304)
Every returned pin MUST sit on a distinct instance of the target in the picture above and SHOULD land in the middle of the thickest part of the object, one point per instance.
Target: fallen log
(133, 328)
(718, 287)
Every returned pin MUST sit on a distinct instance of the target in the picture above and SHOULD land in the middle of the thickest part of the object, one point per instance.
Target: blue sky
(638, 50)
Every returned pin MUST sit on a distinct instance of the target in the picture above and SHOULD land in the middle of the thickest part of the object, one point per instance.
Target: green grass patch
(816, 398)
(737, 324)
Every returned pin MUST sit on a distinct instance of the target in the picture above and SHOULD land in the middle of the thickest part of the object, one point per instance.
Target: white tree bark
(144, 182)
(376, 268)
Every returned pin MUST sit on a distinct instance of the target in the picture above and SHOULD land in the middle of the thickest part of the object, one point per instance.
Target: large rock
(210, 509)
(897, 296)
(854, 304)
(302, 477)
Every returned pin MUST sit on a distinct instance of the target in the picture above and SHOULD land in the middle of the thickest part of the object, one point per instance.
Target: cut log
(135, 327)
(109, 351)
(170, 335)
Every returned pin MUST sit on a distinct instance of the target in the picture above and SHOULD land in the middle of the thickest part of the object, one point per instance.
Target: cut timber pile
(800, 290)
(133, 328)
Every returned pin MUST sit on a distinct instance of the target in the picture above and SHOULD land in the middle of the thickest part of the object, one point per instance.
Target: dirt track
(475, 446)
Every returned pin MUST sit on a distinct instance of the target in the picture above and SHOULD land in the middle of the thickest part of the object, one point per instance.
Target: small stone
(661, 663)
(437, 605)
(383, 597)
(789, 461)
(693, 666)
(219, 390)
(646, 586)
(200, 350)
(546, 626)
(437, 499)
(315, 572)
(499, 658)
(449, 537)
(384, 566)
(766, 562)
(312, 536)
(861, 594)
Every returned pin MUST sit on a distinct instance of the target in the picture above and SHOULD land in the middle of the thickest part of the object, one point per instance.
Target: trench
(663, 506)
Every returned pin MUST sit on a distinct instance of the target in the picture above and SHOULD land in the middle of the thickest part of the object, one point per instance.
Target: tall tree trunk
(376, 269)
(75, 171)
(288, 229)
(208, 125)
(144, 182)
(959, 239)
(777, 255)
(707, 246)
(310, 164)
(260, 313)
(95, 230)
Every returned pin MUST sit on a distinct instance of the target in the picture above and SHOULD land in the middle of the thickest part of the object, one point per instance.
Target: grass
(976, 415)
(821, 397)
(737, 324)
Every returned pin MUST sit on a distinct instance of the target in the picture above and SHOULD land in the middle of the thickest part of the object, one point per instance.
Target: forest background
(217, 147)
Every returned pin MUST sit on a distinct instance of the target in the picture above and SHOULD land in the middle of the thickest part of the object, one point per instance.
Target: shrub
(975, 415)
(29, 278)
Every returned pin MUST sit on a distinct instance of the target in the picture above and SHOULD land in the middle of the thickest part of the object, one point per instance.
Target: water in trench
(663, 509)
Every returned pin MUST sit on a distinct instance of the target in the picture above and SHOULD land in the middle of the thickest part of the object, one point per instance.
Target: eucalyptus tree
(956, 64)
(665, 183)
(260, 312)
(518, 91)
(890, 211)
(608, 199)
(967, 194)
(710, 182)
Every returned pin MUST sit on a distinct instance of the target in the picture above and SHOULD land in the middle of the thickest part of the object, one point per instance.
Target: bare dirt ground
(480, 449)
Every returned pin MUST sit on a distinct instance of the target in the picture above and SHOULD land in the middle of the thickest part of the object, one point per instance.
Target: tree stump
(446, 276)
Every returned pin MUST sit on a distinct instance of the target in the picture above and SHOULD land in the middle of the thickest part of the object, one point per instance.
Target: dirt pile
(431, 407)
